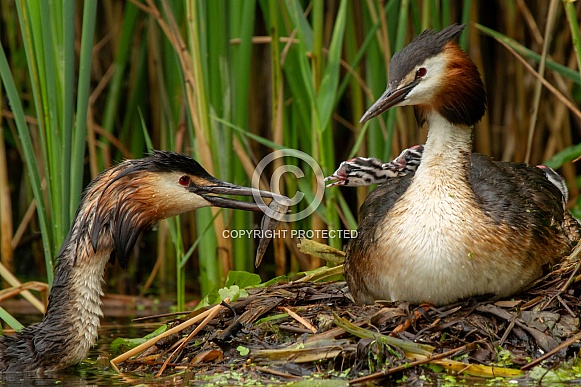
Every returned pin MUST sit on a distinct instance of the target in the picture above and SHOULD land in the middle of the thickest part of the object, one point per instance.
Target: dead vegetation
(297, 330)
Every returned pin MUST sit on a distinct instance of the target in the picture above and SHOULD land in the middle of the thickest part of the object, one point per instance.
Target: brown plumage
(462, 224)
(117, 206)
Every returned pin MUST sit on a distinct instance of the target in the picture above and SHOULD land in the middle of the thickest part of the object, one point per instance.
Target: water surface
(95, 370)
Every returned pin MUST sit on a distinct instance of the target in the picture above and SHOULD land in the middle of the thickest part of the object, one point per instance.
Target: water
(96, 369)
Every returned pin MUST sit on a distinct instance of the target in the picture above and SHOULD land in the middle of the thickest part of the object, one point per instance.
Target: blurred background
(86, 84)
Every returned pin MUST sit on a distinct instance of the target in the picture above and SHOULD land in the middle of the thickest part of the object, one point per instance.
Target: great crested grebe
(462, 224)
(116, 207)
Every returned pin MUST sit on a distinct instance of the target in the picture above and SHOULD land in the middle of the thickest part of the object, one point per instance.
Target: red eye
(421, 72)
(184, 180)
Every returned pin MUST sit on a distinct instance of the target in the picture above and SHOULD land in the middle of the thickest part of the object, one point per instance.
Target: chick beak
(391, 97)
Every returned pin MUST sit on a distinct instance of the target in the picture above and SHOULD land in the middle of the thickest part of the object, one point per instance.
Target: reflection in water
(91, 372)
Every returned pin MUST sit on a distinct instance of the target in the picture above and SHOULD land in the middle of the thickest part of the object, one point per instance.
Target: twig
(543, 340)
(551, 88)
(278, 373)
(566, 306)
(405, 345)
(213, 312)
(538, 87)
(412, 320)
(381, 374)
(572, 277)
(20, 289)
(572, 256)
(559, 347)
(13, 281)
(320, 273)
(299, 319)
(265, 40)
(142, 347)
(508, 330)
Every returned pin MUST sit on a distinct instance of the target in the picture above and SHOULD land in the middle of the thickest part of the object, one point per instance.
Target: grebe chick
(364, 171)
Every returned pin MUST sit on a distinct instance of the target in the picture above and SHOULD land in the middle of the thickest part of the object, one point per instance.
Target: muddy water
(95, 370)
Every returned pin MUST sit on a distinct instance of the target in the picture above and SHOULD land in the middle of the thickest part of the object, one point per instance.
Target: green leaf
(11, 321)
(212, 298)
(217, 296)
(530, 54)
(121, 344)
(243, 351)
(330, 80)
(280, 316)
(274, 281)
(566, 155)
(29, 157)
(232, 292)
(243, 279)
(304, 45)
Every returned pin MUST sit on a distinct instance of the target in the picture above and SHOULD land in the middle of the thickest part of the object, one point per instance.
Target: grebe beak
(218, 187)
(393, 96)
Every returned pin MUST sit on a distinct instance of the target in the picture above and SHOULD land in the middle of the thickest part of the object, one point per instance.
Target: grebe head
(433, 73)
(135, 194)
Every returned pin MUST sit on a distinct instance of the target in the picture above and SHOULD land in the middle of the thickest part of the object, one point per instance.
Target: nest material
(294, 330)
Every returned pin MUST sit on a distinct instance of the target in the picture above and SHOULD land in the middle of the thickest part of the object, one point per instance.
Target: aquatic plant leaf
(243, 279)
(120, 344)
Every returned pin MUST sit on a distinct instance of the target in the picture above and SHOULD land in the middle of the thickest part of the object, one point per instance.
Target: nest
(296, 330)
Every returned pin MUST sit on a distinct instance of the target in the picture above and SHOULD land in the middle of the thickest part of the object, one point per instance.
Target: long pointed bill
(278, 207)
(390, 98)
(209, 193)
